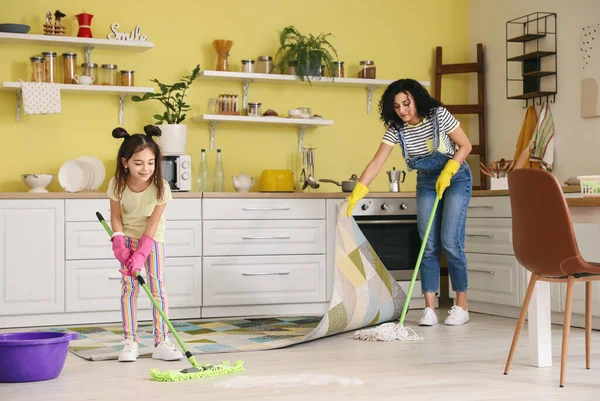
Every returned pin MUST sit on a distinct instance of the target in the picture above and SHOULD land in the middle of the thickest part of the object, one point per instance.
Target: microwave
(177, 171)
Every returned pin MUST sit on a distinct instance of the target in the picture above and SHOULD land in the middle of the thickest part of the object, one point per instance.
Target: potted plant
(174, 133)
(307, 52)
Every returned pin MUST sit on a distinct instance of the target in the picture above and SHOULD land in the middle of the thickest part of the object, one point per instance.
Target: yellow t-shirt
(136, 208)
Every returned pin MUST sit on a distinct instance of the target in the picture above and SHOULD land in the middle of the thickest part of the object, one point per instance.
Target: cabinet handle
(267, 274)
(481, 207)
(482, 235)
(265, 208)
(267, 237)
(114, 277)
(482, 271)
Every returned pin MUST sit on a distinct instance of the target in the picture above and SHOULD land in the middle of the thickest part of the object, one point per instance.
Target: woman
(434, 145)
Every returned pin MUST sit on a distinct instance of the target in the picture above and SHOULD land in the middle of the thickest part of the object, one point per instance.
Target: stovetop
(386, 207)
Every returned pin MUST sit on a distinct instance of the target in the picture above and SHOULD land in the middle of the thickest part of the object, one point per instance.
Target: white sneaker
(166, 351)
(429, 318)
(457, 316)
(130, 351)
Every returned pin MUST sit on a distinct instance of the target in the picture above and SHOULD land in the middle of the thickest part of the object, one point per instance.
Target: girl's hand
(120, 250)
(141, 253)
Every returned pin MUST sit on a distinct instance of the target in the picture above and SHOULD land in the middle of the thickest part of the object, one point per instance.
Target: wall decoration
(54, 28)
(589, 61)
(134, 34)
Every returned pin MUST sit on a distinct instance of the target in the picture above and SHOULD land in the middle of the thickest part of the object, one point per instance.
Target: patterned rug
(364, 294)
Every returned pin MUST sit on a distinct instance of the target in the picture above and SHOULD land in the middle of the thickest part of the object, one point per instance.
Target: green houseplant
(309, 52)
(174, 133)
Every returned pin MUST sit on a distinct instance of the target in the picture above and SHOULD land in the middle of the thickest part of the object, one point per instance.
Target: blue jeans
(447, 230)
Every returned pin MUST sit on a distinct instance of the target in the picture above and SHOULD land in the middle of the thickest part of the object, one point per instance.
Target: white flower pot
(173, 139)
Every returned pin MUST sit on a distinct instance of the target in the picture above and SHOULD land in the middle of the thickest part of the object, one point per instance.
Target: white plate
(90, 174)
(72, 176)
(99, 171)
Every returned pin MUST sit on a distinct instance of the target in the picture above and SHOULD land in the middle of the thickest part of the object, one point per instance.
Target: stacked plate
(85, 173)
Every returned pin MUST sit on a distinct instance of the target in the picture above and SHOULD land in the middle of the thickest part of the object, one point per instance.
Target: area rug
(364, 294)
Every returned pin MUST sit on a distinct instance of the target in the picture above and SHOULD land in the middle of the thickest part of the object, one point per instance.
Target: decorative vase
(173, 139)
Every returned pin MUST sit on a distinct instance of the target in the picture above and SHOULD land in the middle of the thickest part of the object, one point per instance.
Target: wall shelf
(71, 41)
(300, 123)
(121, 91)
(247, 78)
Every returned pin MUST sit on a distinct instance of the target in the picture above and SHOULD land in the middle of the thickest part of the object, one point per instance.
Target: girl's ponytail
(120, 133)
(152, 130)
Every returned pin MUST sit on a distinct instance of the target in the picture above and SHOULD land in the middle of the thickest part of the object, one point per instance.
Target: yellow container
(277, 181)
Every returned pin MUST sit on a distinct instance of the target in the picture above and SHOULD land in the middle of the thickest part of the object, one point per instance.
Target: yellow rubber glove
(359, 192)
(447, 173)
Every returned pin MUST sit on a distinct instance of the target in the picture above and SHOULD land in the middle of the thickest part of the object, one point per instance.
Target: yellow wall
(400, 36)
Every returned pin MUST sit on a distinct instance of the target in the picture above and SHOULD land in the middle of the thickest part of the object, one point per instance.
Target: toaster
(277, 181)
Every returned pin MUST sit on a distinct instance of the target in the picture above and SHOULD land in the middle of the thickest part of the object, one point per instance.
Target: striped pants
(130, 289)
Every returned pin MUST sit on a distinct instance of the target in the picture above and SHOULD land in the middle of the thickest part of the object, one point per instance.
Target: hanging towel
(527, 130)
(543, 139)
(40, 97)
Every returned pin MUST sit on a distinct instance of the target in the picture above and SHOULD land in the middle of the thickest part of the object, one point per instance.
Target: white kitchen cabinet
(263, 209)
(494, 279)
(32, 259)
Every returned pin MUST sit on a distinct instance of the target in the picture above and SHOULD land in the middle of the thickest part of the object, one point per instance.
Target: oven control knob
(365, 206)
(185, 176)
(185, 164)
(384, 207)
(403, 206)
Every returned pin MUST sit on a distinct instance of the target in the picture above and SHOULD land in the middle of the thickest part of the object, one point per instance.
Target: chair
(544, 243)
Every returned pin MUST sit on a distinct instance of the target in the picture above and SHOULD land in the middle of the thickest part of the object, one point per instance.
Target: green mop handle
(140, 280)
(416, 271)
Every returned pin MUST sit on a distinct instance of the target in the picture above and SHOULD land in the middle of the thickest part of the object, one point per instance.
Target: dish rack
(590, 185)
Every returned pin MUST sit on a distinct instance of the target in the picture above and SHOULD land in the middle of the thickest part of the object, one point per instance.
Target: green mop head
(199, 372)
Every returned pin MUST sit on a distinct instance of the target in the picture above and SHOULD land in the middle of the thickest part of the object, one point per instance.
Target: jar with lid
(91, 70)
(127, 78)
(367, 69)
(69, 66)
(264, 64)
(49, 66)
(247, 65)
(109, 74)
(291, 68)
(254, 109)
(338, 69)
(37, 69)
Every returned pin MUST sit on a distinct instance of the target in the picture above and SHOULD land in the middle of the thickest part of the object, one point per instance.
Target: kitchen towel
(525, 136)
(40, 98)
(543, 139)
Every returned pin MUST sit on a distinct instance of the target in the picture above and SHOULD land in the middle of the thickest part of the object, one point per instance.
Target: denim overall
(448, 227)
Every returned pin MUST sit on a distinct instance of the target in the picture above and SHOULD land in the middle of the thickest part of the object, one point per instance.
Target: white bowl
(37, 182)
(295, 113)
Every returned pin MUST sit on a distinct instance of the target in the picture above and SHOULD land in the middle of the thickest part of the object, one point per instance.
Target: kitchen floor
(451, 363)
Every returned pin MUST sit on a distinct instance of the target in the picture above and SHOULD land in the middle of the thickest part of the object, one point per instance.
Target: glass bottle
(203, 174)
(219, 173)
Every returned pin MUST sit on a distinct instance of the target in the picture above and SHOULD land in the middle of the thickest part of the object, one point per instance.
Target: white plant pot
(173, 139)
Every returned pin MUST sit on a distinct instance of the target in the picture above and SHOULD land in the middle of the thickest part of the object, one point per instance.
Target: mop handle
(416, 271)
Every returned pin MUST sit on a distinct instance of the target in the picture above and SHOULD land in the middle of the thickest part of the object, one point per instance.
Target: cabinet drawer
(260, 209)
(489, 236)
(255, 280)
(489, 206)
(85, 209)
(90, 241)
(263, 237)
(494, 279)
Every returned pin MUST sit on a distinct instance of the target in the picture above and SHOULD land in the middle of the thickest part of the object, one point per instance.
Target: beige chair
(544, 243)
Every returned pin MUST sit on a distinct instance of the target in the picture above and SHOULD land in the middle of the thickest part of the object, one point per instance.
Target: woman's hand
(446, 175)
(359, 192)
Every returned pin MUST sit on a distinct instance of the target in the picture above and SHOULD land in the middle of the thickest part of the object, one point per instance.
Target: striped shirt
(419, 138)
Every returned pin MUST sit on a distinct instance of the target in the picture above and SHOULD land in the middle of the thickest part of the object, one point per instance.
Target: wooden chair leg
(521, 321)
(588, 323)
(566, 330)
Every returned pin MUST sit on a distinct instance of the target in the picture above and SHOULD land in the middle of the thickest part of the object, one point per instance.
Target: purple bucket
(33, 356)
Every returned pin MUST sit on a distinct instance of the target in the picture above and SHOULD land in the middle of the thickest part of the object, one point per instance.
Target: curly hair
(135, 143)
(424, 102)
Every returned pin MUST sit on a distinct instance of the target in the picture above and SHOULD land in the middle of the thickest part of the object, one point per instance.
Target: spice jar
(254, 109)
(291, 68)
(264, 64)
(127, 78)
(69, 66)
(247, 65)
(37, 69)
(367, 69)
(109, 74)
(338, 69)
(91, 70)
(49, 66)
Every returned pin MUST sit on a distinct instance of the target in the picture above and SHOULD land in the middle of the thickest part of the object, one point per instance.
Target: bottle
(203, 174)
(219, 176)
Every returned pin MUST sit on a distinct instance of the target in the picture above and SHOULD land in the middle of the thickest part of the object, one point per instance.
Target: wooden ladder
(479, 108)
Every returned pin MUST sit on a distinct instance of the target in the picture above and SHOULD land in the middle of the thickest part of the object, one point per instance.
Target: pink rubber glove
(139, 256)
(122, 253)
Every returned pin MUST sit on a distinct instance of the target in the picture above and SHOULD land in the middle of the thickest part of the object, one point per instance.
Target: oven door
(170, 171)
(395, 240)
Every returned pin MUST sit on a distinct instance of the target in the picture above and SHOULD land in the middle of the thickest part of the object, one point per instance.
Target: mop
(393, 331)
(197, 371)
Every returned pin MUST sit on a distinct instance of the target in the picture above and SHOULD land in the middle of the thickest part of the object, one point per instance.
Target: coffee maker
(396, 177)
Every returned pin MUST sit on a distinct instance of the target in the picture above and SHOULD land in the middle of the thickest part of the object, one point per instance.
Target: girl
(138, 196)
(433, 143)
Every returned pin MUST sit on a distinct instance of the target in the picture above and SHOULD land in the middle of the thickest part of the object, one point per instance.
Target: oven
(177, 171)
(390, 226)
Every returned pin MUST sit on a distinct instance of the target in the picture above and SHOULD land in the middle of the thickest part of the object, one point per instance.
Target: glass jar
(254, 109)
(264, 64)
(247, 65)
(367, 69)
(69, 67)
(127, 78)
(291, 68)
(49, 66)
(91, 70)
(37, 69)
(109, 74)
(338, 69)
